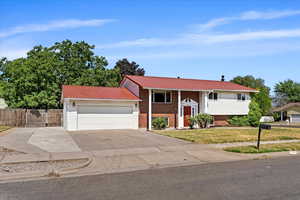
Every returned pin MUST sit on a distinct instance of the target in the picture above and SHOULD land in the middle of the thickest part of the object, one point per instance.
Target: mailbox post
(261, 127)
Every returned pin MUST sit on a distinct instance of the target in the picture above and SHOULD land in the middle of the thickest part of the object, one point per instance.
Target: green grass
(265, 148)
(219, 135)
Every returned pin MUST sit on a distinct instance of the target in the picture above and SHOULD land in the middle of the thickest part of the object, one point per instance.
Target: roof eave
(100, 99)
(197, 90)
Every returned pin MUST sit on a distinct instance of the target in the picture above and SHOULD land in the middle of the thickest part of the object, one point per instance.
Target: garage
(105, 117)
(295, 118)
(96, 108)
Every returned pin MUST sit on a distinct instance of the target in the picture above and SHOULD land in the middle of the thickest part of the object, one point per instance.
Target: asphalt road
(243, 180)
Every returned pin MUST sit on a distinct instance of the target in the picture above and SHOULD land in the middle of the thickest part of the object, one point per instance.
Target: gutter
(95, 99)
(196, 90)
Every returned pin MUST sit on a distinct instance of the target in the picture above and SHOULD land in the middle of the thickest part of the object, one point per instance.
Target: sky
(201, 39)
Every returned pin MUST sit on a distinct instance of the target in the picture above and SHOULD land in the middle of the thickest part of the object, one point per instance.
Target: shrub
(159, 123)
(203, 120)
(254, 114)
(193, 122)
(239, 121)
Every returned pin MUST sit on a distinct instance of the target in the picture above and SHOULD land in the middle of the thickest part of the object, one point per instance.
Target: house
(140, 99)
(290, 111)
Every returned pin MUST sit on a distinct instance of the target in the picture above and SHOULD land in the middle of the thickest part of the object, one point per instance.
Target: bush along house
(140, 99)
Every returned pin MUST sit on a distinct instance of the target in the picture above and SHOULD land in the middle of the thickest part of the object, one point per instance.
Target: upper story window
(213, 96)
(241, 97)
(161, 97)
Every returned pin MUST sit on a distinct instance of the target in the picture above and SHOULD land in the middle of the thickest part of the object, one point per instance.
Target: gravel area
(46, 166)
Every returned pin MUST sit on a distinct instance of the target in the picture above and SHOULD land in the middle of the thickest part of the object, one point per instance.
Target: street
(253, 179)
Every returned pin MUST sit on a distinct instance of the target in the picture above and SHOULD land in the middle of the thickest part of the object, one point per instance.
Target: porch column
(179, 110)
(281, 115)
(205, 102)
(150, 110)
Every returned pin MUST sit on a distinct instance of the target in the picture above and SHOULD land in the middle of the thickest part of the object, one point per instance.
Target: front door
(187, 110)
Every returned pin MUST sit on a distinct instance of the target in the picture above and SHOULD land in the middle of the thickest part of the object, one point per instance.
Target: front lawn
(265, 148)
(227, 135)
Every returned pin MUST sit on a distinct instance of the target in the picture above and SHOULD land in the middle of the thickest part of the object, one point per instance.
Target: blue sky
(191, 39)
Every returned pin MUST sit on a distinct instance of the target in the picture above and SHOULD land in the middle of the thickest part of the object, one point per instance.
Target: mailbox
(265, 126)
(261, 127)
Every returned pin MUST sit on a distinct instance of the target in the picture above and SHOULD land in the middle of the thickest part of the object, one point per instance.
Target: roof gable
(92, 92)
(150, 82)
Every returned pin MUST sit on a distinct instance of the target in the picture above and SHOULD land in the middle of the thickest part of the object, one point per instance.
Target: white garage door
(106, 117)
(295, 118)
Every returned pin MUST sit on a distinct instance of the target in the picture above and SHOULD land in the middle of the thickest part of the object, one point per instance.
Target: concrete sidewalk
(132, 159)
(115, 161)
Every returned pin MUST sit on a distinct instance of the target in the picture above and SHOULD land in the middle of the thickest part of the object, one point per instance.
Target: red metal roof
(91, 92)
(150, 82)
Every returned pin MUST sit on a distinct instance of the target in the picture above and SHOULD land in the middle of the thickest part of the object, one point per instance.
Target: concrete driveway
(39, 140)
(121, 139)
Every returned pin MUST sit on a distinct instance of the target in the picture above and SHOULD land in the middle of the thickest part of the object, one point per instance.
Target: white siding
(131, 86)
(70, 116)
(91, 115)
(227, 104)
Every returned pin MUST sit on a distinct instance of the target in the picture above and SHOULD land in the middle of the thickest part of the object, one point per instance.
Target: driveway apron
(53, 139)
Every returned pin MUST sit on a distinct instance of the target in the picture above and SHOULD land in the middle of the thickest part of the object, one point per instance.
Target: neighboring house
(290, 111)
(2, 103)
(142, 98)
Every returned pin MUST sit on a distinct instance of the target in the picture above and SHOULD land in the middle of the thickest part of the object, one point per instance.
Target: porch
(162, 103)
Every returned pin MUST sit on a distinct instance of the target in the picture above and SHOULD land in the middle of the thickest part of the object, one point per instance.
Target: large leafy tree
(36, 81)
(262, 98)
(286, 92)
(129, 68)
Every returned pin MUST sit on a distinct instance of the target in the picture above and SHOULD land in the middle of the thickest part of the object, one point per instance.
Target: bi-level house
(140, 99)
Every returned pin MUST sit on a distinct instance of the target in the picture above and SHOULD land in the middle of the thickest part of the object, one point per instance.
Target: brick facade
(221, 120)
(162, 109)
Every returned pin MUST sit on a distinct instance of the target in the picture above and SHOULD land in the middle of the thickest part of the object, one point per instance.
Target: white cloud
(204, 39)
(253, 15)
(249, 15)
(54, 25)
(246, 36)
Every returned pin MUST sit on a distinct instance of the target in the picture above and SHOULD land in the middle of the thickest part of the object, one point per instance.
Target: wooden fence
(30, 117)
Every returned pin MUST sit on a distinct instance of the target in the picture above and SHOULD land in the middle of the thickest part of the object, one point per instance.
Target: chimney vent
(222, 78)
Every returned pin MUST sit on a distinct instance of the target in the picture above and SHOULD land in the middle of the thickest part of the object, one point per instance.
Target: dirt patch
(41, 166)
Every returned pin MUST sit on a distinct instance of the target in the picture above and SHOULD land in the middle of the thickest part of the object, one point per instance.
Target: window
(241, 97)
(161, 97)
(213, 96)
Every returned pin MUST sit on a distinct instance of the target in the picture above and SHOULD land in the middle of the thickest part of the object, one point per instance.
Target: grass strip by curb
(265, 148)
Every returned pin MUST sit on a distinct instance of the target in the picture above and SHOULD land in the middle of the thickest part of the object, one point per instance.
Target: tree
(262, 97)
(250, 81)
(129, 68)
(36, 81)
(254, 114)
(286, 92)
